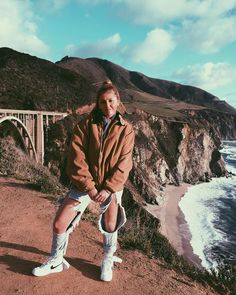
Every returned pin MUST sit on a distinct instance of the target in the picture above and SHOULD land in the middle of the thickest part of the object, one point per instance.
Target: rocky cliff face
(195, 152)
(173, 152)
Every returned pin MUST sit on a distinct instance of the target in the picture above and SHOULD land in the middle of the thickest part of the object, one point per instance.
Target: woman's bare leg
(109, 221)
(65, 215)
(110, 216)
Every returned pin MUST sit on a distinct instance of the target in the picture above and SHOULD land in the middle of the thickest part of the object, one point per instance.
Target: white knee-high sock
(59, 245)
(109, 243)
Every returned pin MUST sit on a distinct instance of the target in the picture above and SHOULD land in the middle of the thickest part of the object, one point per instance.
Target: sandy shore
(173, 223)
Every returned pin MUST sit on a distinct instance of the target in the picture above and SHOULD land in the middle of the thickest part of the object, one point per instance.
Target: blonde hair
(107, 86)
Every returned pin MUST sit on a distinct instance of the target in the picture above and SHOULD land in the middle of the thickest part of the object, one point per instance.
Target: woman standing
(99, 162)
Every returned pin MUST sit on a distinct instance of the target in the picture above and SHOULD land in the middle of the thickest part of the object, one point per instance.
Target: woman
(99, 161)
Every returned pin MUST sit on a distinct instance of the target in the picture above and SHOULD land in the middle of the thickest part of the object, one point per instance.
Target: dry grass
(15, 163)
(159, 106)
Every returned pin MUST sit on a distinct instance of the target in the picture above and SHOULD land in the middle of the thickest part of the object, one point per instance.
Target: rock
(156, 201)
(217, 164)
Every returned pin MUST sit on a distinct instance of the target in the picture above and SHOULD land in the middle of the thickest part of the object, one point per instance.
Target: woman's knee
(59, 226)
(110, 226)
(110, 216)
(64, 216)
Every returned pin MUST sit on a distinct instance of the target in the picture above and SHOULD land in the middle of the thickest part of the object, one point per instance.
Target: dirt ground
(25, 238)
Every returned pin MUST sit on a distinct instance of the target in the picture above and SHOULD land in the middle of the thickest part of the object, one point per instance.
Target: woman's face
(108, 103)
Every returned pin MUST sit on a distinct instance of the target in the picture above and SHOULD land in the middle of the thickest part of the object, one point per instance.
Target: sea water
(210, 211)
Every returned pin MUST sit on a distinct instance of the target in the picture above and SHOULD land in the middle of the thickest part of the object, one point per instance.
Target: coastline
(173, 224)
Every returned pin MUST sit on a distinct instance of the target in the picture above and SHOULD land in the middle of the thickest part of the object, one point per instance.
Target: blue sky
(188, 41)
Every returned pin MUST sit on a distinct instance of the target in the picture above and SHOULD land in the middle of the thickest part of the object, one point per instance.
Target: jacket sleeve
(77, 166)
(119, 175)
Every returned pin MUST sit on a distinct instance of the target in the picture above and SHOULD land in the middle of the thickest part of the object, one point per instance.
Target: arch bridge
(30, 125)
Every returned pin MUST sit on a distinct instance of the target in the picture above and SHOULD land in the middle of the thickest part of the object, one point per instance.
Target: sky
(192, 42)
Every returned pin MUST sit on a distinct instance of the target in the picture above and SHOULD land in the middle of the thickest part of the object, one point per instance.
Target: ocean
(210, 211)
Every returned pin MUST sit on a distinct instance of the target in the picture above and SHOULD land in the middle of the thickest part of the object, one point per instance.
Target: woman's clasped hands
(99, 197)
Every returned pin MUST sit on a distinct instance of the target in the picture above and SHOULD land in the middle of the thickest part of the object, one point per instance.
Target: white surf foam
(229, 154)
(199, 205)
(229, 147)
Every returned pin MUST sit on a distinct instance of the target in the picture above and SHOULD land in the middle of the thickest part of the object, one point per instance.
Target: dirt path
(26, 217)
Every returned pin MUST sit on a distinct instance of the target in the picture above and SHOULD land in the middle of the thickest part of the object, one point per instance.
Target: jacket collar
(121, 120)
(97, 117)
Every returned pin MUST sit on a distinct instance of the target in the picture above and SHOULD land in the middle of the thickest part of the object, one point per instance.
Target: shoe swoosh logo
(52, 267)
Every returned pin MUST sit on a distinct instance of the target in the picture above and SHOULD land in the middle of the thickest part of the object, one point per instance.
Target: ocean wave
(231, 157)
(200, 206)
(229, 147)
(210, 211)
(230, 164)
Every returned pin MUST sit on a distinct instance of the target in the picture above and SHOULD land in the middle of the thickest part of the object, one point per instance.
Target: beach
(173, 224)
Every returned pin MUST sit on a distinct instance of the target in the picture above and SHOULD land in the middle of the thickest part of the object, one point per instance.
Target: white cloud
(206, 26)
(100, 48)
(155, 12)
(18, 29)
(59, 4)
(208, 76)
(209, 35)
(93, 2)
(51, 5)
(154, 49)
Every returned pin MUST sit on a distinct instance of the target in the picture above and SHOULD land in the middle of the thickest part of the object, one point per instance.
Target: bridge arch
(24, 134)
(31, 127)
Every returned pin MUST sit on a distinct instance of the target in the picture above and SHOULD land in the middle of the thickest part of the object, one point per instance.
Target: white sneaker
(52, 265)
(106, 269)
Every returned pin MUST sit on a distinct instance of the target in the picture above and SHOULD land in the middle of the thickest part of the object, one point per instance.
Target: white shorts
(84, 200)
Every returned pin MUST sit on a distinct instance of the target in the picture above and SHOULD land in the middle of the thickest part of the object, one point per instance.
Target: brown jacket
(101, 164)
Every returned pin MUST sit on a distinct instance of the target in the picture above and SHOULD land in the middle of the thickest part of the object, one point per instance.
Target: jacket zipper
(102, 142)
(100, 154)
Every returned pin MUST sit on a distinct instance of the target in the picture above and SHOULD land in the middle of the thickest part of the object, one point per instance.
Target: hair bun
(107, 83)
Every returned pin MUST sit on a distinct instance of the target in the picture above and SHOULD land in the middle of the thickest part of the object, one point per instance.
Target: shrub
(15, 163)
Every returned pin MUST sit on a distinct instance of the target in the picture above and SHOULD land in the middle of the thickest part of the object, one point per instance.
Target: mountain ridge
(28, 82)
(137, 81)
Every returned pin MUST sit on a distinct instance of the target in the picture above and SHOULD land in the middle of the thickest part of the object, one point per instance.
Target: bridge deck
(10, 111)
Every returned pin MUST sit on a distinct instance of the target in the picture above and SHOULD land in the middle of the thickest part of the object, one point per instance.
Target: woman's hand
(92, 194)
(102, 196)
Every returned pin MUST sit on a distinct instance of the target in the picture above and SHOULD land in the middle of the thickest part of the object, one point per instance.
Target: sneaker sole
(106, 279)
(50, 271)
